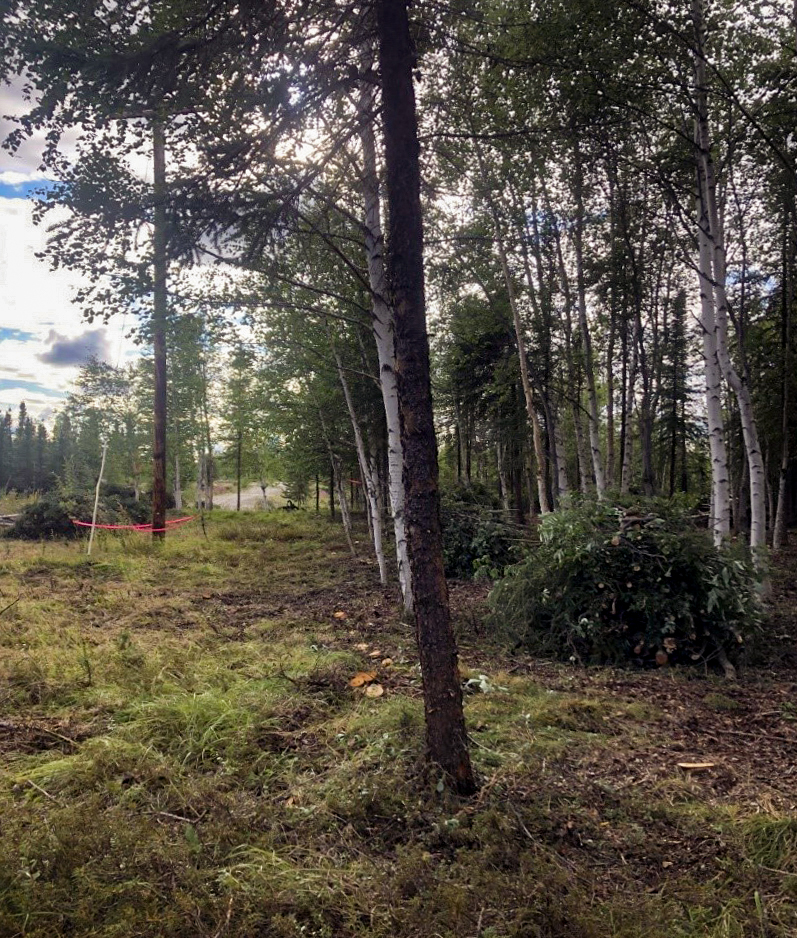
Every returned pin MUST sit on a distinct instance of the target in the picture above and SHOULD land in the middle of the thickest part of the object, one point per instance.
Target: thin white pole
(97, 497)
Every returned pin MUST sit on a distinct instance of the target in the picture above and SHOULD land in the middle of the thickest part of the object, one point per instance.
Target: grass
(12, 502)
(181, 755)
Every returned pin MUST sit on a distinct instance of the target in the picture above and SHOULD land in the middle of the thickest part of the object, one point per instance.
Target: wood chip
(362, 677)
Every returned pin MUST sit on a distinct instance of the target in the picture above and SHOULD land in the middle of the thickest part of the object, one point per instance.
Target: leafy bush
(52, 514)
(477, 540)
(609, 584)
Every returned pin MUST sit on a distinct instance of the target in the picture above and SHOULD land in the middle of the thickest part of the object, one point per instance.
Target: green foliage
(611, 583)
(477, 540)
(52, 514)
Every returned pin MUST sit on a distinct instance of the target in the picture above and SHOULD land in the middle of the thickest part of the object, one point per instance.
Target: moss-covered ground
(181, 754)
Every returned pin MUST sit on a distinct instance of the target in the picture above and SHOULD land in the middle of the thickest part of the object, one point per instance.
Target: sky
(43, 338)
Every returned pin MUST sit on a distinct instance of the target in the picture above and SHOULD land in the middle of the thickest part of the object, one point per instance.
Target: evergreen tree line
(28, 457)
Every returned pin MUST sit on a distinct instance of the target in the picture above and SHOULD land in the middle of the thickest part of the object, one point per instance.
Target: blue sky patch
(16, 335)
(32, 386)
(22, 190)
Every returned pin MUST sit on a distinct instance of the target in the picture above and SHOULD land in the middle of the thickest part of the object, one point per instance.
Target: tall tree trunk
(582, 449)
(674, 427)
(561, 460)
(238, 449)
(383, 329)
(338, 481)
(517, 482)
(446, 736)
(200, 482)
(503, 478)
(528, 392)
(160, 311)
(343, 502)
(574, 381)
(610, 400)
(178, 487)
(367, 471)
(539, 310)
(207, 443)
(787, 300)
(720, 520)
(736, 381)
(589, 367)
(628, 411)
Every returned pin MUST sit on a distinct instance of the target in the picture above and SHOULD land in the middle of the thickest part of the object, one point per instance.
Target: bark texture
(736, 380)
(160, 304)
(383, 327)
(446, 736)
(720, 519)
(586, 339)
(367, 470)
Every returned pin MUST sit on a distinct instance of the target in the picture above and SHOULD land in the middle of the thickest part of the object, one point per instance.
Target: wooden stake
(97, 498)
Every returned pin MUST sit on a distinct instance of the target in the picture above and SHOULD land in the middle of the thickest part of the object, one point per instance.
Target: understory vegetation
(52, 514)
(478, 540)
(642, 582)
(183, 755)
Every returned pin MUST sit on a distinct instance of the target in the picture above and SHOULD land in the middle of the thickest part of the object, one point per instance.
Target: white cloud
(37, 302)
(35, 401)
(13, 177)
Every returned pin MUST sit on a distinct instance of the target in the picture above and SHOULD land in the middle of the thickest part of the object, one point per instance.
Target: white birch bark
(589, 368)
(779, 526)
(366, 472)
(626, 469)
(525, 380)
(382, 322)
(561, 462)
(736, 381)
(503, 479)
(720, 519)
(343, 501)
(584, 461)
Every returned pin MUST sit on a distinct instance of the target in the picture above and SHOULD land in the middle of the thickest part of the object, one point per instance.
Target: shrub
(52, 514)
(477, 540)
(612, 584)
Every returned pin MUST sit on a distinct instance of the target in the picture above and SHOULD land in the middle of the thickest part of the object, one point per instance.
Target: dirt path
(251, 497)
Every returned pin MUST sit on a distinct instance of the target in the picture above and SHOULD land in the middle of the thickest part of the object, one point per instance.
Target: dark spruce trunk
(446, 737)
(159, 314)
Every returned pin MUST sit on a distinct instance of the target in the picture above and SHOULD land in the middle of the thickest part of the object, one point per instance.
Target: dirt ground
(251, 497)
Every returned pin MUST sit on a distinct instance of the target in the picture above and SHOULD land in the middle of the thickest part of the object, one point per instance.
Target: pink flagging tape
(142, 528)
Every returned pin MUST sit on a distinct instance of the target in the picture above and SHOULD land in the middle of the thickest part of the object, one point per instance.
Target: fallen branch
(6, 608)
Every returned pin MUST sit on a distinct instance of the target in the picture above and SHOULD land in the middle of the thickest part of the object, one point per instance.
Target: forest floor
(181, 755)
